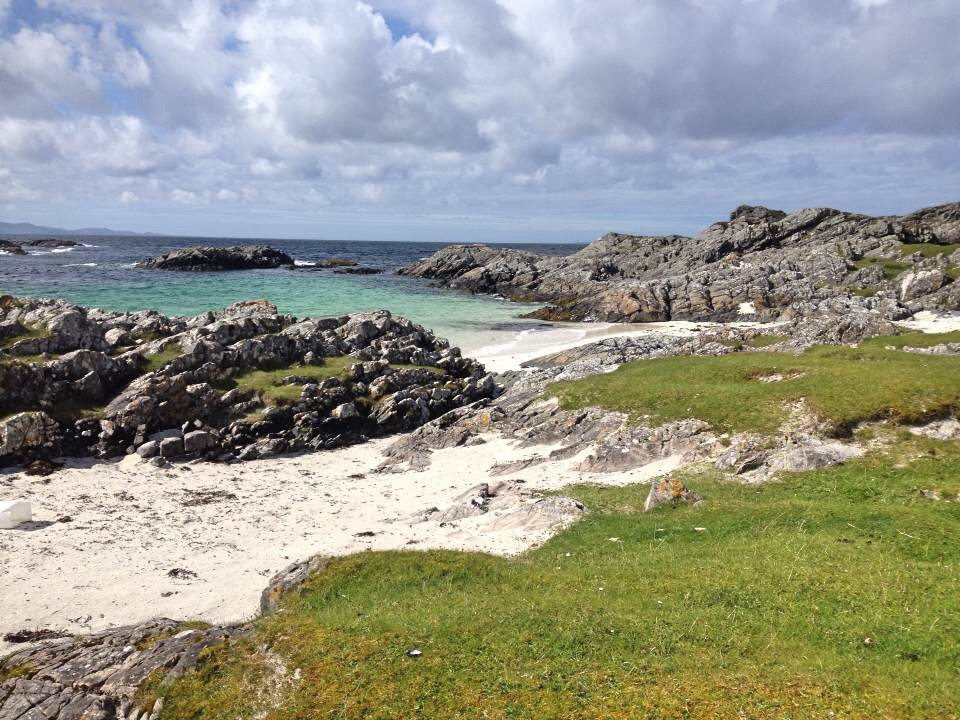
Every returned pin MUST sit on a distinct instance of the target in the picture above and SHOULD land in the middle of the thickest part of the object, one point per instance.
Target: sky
(471, 120)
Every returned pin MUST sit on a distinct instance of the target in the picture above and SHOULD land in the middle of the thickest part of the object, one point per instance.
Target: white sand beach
(106, 536)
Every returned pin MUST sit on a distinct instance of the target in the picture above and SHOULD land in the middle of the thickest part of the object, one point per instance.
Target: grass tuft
(891, 268)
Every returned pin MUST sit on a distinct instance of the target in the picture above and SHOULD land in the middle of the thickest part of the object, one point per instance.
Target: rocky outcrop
(16, 247)
(96, 677)
(216, 259)
(116, 383)
(757, 265)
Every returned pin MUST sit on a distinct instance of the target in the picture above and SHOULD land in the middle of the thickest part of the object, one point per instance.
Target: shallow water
(101, 274)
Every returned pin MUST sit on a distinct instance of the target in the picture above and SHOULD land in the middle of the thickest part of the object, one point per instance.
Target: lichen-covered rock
(669, 491)
(96, 677)
(763, 259)
(29, 431)
(135, 396)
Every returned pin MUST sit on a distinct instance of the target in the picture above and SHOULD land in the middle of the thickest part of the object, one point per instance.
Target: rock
(918, 283)
(346, 411)
(171, 447)
(358, 271)
(149, 449)
(116, 337)
(215, 259)
(669, 491)
(763, 259)
(96, 677)
(943, 429)
(198, 441)
(746, 452)
(14, 513)
(289, 578)
(28, 431)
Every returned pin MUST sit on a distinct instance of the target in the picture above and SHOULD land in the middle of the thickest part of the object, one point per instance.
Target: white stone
(14, 512)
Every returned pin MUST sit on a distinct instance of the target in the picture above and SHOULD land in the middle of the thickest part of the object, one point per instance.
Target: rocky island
(219, 259)
(16, 247)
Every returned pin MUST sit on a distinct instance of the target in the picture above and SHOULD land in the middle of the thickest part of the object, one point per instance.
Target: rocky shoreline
(759, 264)
(242, 383)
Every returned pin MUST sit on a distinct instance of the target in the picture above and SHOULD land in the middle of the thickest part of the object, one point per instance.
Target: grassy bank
(831, 594)
(843, 385)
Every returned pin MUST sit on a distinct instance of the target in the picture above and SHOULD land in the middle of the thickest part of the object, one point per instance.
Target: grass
(267, 383)
(831, 594)
(891, 268)
(37, 332)
(843, 385)
(158, 361)
(928, 249)
(760, 341)
(864, 292)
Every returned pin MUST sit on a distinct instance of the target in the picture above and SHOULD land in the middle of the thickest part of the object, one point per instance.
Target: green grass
(843, 385)
(912, 339)
(891, 268)
(864, 292)
(157, 361)
(760, 341)
(765, 614)
(928, 249)
(266, 383)
(31, 333)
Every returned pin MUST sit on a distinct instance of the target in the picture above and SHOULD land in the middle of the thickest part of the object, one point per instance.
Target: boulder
(669, 491)
(171, 447)
(918, 283)
(198, 441)
(28, 431)
(149, 449)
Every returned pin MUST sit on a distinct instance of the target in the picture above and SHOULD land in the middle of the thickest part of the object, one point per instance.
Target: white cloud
(521, 107)
(184, 197)
(127, 197)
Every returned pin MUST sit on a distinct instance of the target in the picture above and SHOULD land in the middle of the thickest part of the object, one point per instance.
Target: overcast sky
(543, 120)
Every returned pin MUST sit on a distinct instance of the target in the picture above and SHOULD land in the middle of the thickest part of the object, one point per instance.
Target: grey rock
(171, 447)
(149, 449)
(28, 431)
(198, 441)
(767, 258)
(346, 411)
(669, 491)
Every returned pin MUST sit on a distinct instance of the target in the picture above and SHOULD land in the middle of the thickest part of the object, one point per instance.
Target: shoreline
(107, 534)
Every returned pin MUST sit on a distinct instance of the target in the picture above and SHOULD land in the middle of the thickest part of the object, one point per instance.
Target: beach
(117, 542)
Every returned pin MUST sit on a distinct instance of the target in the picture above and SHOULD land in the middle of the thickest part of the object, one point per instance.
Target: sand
(132, 523)
(557, 337)
(933, 322)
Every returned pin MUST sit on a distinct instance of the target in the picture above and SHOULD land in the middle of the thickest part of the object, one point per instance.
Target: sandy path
(131, 524)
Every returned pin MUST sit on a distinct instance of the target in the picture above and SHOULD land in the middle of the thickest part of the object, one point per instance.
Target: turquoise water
(101, 274)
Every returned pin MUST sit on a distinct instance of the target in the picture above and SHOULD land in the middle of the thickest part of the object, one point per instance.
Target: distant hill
(23, 228)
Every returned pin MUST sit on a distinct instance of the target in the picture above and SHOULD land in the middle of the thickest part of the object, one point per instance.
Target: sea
(100, 272)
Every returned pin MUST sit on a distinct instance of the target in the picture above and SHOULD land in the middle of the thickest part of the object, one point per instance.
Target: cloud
(526, 108)
(127, 197)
